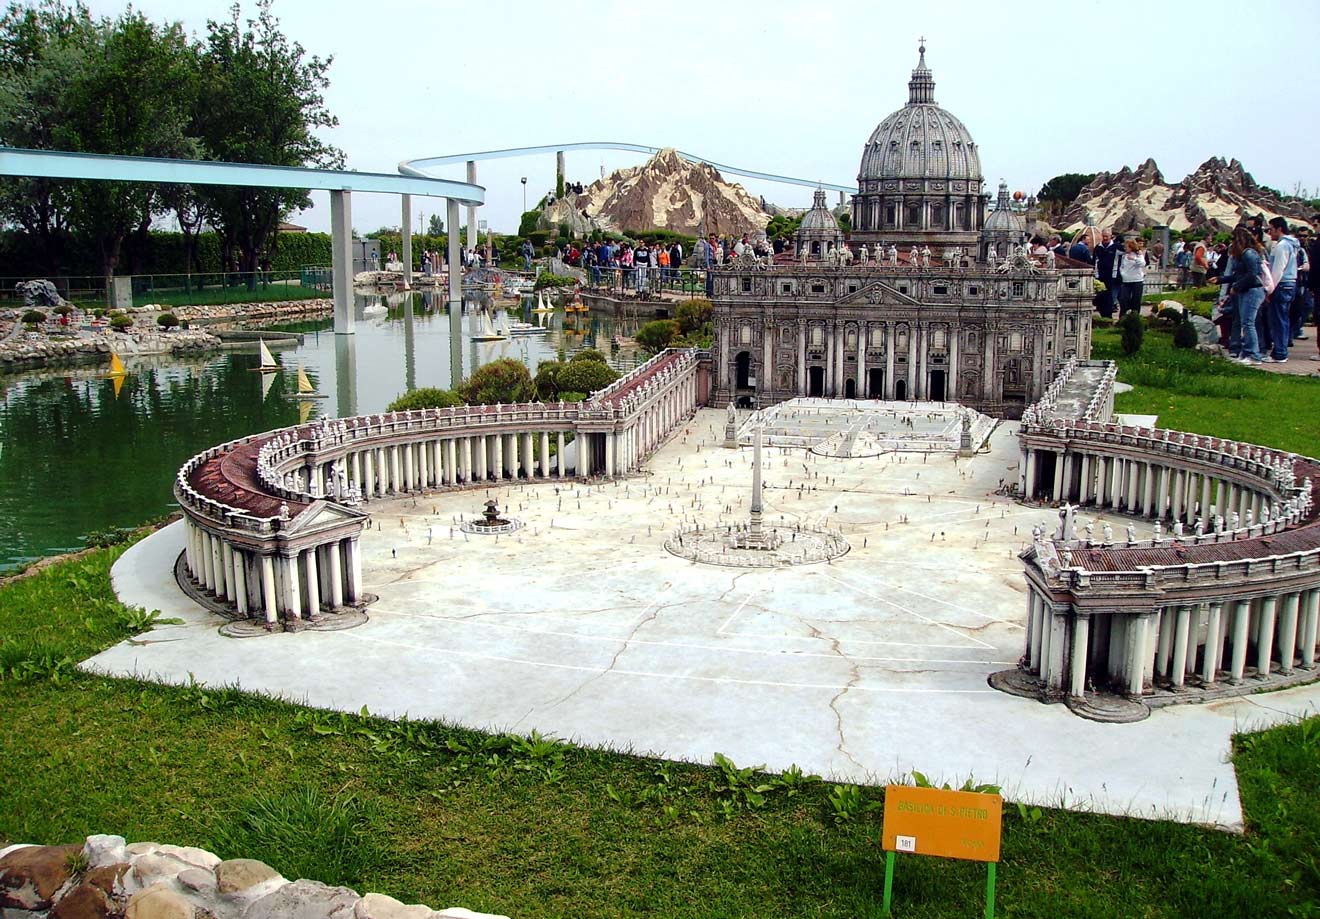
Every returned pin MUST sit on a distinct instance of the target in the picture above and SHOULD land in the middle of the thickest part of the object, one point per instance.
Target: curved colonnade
(273, 520)
(1223, 599)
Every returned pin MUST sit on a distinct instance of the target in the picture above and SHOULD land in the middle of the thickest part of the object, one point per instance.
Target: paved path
(583, 627)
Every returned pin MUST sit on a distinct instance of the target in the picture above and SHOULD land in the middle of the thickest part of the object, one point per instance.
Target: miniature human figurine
(1219, 523)
(1049, 259)
(914, 257)
(1235, 521)
(893, 255)
(1131, 534)
(1090, 530)
(865, 254)
(1199, 528)
(925, 256)
(1177, 529)
(284, 510)
(1109, 533)
(1159, 531)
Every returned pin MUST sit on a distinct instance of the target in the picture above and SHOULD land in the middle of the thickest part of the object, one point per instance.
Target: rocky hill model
(1214, 197)
(665, 193)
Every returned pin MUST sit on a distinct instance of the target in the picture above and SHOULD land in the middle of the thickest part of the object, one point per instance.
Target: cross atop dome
(921, 88)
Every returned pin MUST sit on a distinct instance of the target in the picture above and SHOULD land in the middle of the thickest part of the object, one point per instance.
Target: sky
(795, 88)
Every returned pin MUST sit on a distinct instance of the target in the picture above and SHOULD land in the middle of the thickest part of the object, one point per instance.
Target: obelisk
(755, 529)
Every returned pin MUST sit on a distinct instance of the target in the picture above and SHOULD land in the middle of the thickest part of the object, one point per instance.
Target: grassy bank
(534, 828)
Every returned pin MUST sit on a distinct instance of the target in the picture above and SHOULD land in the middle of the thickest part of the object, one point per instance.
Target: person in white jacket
(1132, 276)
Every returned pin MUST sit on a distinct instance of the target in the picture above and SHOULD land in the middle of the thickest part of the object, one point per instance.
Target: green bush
(167, 320)
(503, 381)
(34, 317)
(1133, 331)
(1185, 335)
(588, 354)
(545, 279)
(693, 314)
(547, 380)
(426, 397)
(527, 223)
(657, 335)
(120, 322)
(99, 312)
(62, 310)
(538, 237)
(585, 376)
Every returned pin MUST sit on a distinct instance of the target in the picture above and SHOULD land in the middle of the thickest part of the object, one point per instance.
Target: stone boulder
(31, 876)
(303, 899)
(38, 292)
(238, 875)
(1207, 333)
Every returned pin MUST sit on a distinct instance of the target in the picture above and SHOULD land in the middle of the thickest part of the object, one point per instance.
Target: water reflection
(74, 457)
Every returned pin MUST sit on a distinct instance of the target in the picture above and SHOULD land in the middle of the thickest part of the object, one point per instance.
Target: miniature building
(819, 231)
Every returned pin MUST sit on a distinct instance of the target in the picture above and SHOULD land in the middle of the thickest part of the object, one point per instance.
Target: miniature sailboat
(268, 364)
(267, 381)
(116, 366)
(305, 388)
(304, 412)
(487, 331)
(542, 304)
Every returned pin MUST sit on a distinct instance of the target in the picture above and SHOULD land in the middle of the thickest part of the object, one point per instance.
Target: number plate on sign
(905, 843)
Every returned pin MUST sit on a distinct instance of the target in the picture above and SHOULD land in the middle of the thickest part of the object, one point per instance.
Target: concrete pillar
(1164, 627)
(559, 170)
(353, 558)
(1204, 509)
(1115, 477)
(455, 295)
(609, 455)
(471, 210)
(1162, 502)
(545, 454)
(405, 241)
(313, 583)
(269, 600)
(1080, 636)
(1148, 490)
(559, 453)
(1060, 470)
(335, 573)
(341, 259)
(218, 567)
(1288, 633)
(409, 467)
(1310, 623)
(1132, 493)
(497, 456)
(1139, 628)
(1180, 640)
(423, 464)
(1058, 639)
(1214, 643)
(449, 469)
(1030, 489)
(528, 465)
(1084, 485)
(889, 363)
(1265, 636)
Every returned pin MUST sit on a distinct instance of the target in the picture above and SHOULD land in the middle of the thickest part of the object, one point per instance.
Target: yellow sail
(116, 366)
(304, 412)
(117, 379)
(304, 384)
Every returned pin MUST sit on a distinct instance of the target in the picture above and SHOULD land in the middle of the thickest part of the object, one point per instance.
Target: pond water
(76, 457)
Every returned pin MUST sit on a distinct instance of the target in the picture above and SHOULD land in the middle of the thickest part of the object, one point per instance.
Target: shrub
(693, 314)
(546, 279)
(585, 376)
(655, 336)
(33, 317)
(99, 312)
(569, 396)
(503, 381)
(62, 310)
(1185, 336)
(547, 380)
(588, 354)
(167, 320)
(1133, 331)
(120, 322)
(426, 397)
(538, 237)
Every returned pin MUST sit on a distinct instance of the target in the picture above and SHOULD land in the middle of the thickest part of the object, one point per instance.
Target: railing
(646, 283)
(203, 289)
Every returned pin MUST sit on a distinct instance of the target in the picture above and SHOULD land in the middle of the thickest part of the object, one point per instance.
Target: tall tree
(40, 45)
(1062, 190)
(260, 101)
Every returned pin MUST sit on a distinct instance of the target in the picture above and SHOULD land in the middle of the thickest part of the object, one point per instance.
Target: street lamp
(524, 181)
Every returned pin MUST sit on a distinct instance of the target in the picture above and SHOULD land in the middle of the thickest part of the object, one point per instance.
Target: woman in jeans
(1245, 287)
(1132, 275)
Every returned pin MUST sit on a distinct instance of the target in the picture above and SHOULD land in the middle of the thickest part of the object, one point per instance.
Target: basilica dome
(920, 178)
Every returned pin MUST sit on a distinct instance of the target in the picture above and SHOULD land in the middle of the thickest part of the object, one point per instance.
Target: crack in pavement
(854, 677)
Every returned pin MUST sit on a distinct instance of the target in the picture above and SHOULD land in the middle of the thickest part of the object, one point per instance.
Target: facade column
(828, 388)
(353, 559)
(1029, 481)
(1288, 633)
(409, 467)
(1080, 636)
(1132, 495)
(545, 454)
(1180, 647)
(1204, 509)
(1310, 622)
(1241, 618)
(1148, 495)
(1162, 502)
(951, 388)
(1138, 642)
(609, 454)
(239, 580)
(861, 361)
(335, 572)
(218, 567)
(1163, 640)
(497, 460)
(559, 453)
(1037, 626)
(313, 583)
(292, 590)
(1265, 636)
(888, 394)
(396, 471)
(1059, 472)
(1058, 626)
(1115, 478)
(1214, 643)
(479, 449)
(802, 357)
(1084, 486)
(269, 599)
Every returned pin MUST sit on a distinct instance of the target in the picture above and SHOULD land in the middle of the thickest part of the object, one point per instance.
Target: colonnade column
(1288, 633)
(240, 580)
(353, 559)
(1310, 621)
(1138, 647)
(1241, 618)
(1080, 637)
(269, 599)
(1265, 636)
(313, 583)
(292, 590)
(1180, 639)
(336, 575)
(559, 453)
(1214, 643)
(1037, 629)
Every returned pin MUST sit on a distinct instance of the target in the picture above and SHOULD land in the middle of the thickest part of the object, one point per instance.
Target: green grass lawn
(532, 828)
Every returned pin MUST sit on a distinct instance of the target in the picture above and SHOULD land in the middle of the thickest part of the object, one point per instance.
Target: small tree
(167, 320)
(62, 310)
(547, 380)
(503, 381)
(655, 336)
(426, 397)
(34, 317)
(588, 354)
(693, 314)
(120, 323)
(585, 376)
(1133, 331)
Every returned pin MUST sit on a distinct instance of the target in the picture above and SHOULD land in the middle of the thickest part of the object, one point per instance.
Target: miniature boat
(267, 364)
(487, 332)
(305, 388)
(116, 366)
(526, 328)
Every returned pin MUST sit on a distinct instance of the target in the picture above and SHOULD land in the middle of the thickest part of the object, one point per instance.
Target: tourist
(1304, 301)
(642, 261)
(1059, 247)
(1246, 258)
(662, 259)
(1106, 256)
(1182, 260)
(1132, 276)
(675, 259)
(527, 253)
(1313, 282)
(1283, 267)
(1079, 251)
(706, 261)
(1200, 265)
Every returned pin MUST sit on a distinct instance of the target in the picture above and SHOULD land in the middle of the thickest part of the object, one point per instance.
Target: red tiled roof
(231, 478)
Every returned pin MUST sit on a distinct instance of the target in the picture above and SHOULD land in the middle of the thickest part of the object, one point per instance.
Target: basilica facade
(938, 307)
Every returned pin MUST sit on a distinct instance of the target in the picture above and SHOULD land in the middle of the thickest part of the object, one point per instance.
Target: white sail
(267, 381)
(267, 359)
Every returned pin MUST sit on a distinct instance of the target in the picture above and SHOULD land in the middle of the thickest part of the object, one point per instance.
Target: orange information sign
(949, 824)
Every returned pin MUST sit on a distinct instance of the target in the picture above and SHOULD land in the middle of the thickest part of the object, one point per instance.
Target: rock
(108, 878)
(197, 879)
(30, 876)
(83, 902)
(1207, 333)
(192, 855)
(104, 850)
(153, 868)
(14, 848)
(379, 906)
(239, 874)
(158, 902)
(1173, 305)
(303, 899)
(141, 848)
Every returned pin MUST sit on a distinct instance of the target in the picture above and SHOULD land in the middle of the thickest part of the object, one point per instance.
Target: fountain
(490, 522)
(753, 544)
